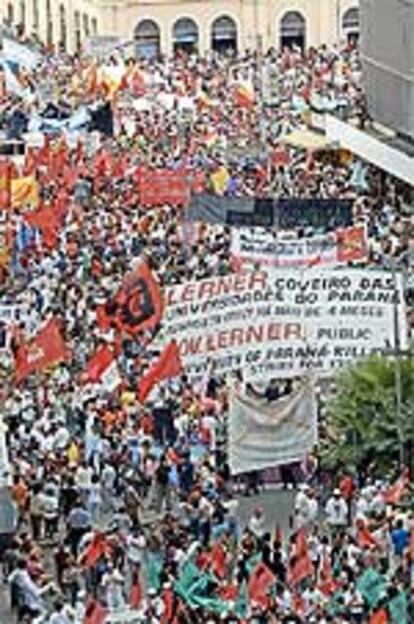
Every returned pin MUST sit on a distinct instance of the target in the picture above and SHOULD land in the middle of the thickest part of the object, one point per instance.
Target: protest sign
(263, 434)
(100, 46)
(4, 454)
(285, 321)
(254, 247)
(158, 187)
(284, 213)
(19, 54)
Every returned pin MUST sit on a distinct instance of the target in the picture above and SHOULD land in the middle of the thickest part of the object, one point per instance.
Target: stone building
(162, 26)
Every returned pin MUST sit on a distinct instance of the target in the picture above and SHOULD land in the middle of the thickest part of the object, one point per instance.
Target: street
(277, 505)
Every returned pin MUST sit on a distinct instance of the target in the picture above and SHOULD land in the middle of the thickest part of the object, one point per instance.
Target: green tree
(362, 415)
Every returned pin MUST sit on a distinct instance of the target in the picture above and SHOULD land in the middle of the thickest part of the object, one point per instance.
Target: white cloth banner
(21, 55)
(282, 322)
(257, 246)
(263, 434)
(4, 455)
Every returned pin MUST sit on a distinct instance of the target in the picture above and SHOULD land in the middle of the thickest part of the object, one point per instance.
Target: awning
(306, 139)
(371, 149)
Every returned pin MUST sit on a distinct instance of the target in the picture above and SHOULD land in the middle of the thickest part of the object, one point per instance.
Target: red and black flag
(138, 305)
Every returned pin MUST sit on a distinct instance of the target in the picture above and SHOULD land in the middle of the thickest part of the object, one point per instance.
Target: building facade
(162, 26)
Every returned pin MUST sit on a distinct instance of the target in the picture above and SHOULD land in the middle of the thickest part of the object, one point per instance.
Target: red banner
(158, 187)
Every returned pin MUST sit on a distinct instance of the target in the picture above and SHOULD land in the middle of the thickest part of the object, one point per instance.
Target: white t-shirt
(336, 512)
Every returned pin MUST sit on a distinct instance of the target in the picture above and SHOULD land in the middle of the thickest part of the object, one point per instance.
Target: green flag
(154, 567)
(398, 608)
(193, 587)
(372, 586)
(189, 574)
(242, 602)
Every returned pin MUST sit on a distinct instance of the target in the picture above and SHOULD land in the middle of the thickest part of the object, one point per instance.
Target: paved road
(278, 508)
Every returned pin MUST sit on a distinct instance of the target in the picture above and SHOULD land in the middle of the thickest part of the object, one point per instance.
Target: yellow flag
(219, 180)
(24, 193)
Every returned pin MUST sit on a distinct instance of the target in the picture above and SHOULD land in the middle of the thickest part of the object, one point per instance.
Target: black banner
(285, 214)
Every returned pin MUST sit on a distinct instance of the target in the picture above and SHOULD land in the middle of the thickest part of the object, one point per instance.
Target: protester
(118, 467)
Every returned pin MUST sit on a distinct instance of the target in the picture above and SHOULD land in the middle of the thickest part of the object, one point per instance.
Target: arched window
(224, 34)
(350, 24)
(78, 33)
(94, 24)
(293, 30)
(63, 28)
(147, 39)
(86, 25)
(22, 16)
(185, 35)
(49, 23)
(35, 16)
(10, 13)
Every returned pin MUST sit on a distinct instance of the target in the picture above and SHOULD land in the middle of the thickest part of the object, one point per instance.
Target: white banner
(4, 455)
(101, 46)
(20, 54)
(263, 434)
(285, 321)
(257, 246)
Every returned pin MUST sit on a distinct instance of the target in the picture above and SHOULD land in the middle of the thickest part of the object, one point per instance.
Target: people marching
(116, 465)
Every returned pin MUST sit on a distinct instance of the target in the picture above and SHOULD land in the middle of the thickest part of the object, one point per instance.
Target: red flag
(5, 184)
(395, 493)
(70, 176)
(365, 538)
(136, 593)
(95, 612)
(327, 585)
(259, 583)
(379, 617)
(218, 561)
(301, 566)
(168, 600)
(30, 162)
(138, 306)
(46, 349)
(98, 547)
(168, 365)
(98, 363)
(47, 221)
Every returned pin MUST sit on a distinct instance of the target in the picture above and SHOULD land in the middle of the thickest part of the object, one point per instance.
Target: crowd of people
(126, 508)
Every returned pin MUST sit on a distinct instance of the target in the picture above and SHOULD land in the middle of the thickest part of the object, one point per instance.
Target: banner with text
(263, 434)
(283, 322)
(256, 246)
